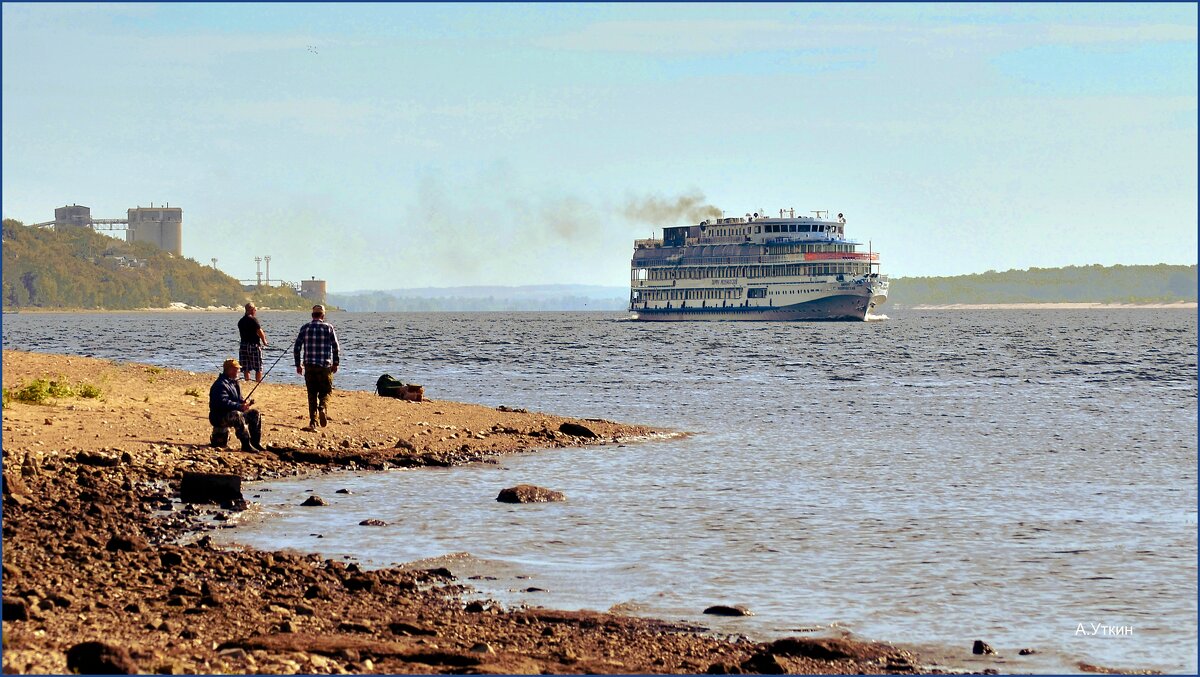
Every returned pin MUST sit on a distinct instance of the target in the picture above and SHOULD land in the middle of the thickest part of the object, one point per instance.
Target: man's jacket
(224, 396)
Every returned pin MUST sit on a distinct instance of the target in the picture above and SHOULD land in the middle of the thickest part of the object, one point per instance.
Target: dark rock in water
(1027, 652)
(342, 491)
(514, 410)
(527, 493)
(314, 500)
(98, 658)
(15, 609)
(721, 610)
(372, 523)
(981, 648)
(764, 663)
(236, 505)
(204, 487)
(126, 543)
(577, 430)
(820, 648)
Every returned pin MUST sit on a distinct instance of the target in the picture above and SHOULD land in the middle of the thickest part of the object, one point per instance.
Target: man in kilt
(253, 340)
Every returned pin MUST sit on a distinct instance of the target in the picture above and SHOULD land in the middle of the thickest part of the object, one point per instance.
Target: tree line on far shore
(80, 268)
(383, 302)
(1161, 283)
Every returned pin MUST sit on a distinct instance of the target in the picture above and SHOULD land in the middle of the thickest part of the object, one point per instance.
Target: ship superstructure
(756, 268)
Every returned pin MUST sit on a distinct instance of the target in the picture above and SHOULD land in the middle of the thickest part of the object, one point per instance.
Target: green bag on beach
(387, 386)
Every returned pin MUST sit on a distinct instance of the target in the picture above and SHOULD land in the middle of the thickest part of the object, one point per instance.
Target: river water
(1023, 477)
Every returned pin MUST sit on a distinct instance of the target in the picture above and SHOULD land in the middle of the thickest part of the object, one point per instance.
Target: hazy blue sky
(400, 145)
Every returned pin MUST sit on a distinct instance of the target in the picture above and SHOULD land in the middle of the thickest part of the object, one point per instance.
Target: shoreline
(98, 546)
(1181, 305)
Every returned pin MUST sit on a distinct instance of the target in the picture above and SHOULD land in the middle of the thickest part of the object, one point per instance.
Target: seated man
(227, 409)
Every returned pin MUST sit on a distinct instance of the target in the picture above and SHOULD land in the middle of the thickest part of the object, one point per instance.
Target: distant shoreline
(1181, 305)
(170, 309)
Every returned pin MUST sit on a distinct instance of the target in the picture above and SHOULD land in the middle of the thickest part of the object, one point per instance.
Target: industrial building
(313, 290)
(160, 226)
(73, 216)
(163, 227)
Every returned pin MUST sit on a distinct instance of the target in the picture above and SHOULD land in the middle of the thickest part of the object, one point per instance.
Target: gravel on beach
(104, 569)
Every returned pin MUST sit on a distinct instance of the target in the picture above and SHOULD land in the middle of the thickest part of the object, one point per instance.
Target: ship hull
(838, 308)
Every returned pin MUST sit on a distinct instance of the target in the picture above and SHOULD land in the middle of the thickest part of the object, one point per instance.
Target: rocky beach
(106, 569)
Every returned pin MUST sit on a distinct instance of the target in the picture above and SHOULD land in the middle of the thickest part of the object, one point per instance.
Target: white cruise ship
(756, 268)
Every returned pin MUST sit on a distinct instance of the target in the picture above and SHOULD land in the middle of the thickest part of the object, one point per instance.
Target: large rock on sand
(527, 493)
(577, 430)
(98, 658)
(207, 487)
(15, 609)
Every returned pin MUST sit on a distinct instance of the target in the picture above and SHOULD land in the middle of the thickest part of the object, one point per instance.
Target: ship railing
(797, 257)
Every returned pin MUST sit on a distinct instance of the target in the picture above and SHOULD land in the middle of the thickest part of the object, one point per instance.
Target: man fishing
(253, 340)
(227, 409)
(318, 345)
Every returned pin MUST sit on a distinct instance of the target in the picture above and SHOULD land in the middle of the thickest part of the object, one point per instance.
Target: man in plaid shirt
(319, 345)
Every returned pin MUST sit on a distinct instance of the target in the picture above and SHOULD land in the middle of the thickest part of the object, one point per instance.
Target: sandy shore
(98, 547)
(1055, 306)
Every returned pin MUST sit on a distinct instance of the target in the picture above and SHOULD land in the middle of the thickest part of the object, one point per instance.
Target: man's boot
(254, 425)
(321, 415)
(219, 437)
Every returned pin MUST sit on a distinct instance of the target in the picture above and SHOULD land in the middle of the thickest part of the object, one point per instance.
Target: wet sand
(99, 548)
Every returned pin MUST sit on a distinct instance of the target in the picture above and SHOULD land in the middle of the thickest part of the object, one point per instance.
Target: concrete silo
(160, 226)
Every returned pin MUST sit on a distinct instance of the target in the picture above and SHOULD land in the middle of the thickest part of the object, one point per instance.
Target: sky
(383, 146)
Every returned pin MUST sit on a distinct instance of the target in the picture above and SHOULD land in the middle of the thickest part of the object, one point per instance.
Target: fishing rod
(282, 352)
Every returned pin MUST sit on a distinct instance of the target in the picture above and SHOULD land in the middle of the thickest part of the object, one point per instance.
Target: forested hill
(79, 268)
(1160, 283)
